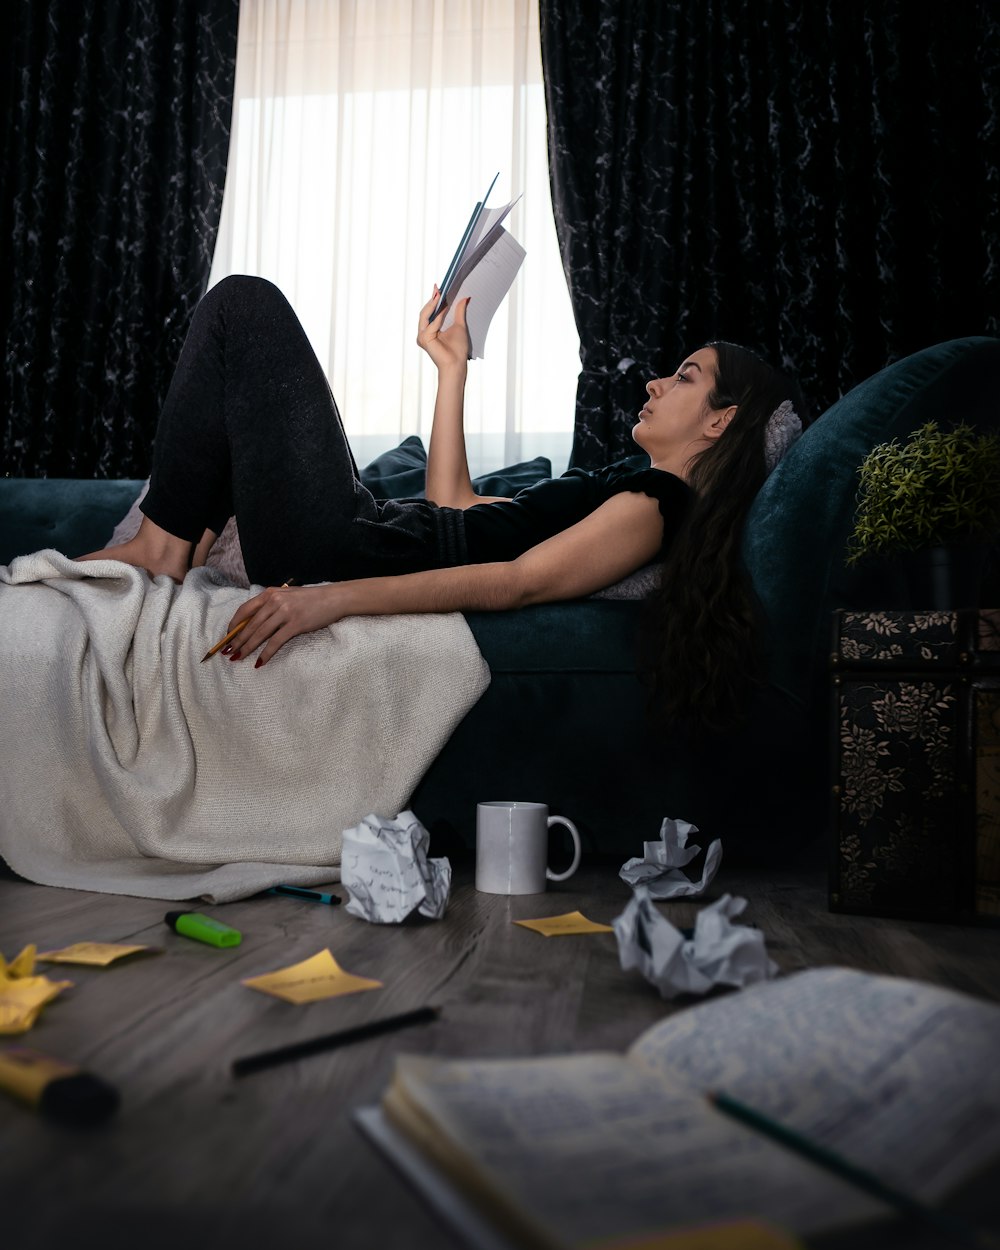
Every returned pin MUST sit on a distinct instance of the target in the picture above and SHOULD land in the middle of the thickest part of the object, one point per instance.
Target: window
(363, 133)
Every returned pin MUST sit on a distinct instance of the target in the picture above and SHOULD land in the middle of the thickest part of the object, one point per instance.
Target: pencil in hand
(236, 629)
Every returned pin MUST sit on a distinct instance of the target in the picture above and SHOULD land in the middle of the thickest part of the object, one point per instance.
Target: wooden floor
(196, 1157)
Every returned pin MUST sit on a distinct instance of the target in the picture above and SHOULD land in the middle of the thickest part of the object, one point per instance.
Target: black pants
(250, 428)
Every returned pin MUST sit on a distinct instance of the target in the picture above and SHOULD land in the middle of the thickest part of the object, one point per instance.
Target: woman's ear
(719, 420)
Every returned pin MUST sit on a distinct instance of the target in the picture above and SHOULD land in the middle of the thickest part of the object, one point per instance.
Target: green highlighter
(193, 924)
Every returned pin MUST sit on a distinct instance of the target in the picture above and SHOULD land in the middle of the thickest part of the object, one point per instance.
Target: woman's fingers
(279, 614)
(273, 613)
(246, 610)
(426, 320)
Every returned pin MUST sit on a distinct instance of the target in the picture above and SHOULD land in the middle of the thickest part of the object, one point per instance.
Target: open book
(897, 1076)
(484, 266)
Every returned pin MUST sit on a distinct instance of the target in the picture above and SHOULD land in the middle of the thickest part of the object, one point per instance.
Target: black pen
(298, 891)
(331, 1041)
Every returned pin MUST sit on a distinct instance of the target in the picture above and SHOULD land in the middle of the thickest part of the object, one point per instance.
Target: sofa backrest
(71, 515)
(796, 535)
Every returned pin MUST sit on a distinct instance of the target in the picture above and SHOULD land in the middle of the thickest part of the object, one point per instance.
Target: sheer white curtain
(363, 133)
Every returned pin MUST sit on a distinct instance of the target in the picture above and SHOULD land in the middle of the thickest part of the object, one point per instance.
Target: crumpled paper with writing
(719, 953)
(386, 871)
(660, 866)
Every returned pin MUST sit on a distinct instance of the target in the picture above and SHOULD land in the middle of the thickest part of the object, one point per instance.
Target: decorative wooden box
(916, 764)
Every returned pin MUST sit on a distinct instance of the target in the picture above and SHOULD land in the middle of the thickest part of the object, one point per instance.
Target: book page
(577, 1148)
(900, 1077)
(487, 284)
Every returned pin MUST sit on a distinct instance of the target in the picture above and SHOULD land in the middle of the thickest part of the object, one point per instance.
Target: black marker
(331, 1041)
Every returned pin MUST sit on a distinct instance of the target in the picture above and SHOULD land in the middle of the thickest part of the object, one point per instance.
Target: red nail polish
(227, 648)
(235, 655)
(258, 663)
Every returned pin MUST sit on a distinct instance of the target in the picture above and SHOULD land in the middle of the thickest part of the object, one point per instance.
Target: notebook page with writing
(583, 1147)
(899, 1077)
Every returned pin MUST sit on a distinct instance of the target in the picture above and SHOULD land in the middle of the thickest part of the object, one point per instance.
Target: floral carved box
(915, 724)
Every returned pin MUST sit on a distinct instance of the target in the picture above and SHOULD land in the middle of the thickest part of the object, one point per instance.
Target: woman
(249, 427)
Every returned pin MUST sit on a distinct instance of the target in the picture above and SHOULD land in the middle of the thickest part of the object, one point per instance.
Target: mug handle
(561, 876)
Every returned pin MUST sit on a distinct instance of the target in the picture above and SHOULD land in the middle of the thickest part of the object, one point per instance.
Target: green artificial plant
(938, 488)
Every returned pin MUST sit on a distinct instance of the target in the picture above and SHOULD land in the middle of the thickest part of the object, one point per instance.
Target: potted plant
(937, 495)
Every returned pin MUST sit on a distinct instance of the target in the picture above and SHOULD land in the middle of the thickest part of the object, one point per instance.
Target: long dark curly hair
(701, 651)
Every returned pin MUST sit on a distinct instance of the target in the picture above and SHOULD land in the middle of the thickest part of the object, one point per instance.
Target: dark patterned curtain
(818, 180)
(115, 140)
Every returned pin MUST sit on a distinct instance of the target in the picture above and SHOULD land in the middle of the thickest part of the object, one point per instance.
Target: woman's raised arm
(448, 481)
(619, 537)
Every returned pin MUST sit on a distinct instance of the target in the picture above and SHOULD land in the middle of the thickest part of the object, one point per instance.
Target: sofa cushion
(400, 473)
(72, 515)
(798, 528)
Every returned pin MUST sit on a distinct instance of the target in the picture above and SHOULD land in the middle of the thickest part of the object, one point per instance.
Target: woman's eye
(683, 377)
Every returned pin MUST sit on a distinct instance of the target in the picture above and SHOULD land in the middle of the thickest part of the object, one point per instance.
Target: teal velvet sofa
(564, 720)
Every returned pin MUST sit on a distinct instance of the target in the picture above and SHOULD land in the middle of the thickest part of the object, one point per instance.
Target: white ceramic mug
(512, 848)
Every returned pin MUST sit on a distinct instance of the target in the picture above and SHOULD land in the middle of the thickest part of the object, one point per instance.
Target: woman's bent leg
(250, 426)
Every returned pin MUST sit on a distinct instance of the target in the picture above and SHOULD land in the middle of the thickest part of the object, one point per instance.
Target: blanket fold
(127, 766)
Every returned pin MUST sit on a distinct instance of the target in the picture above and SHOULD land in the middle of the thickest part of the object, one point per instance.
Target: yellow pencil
(235, 630)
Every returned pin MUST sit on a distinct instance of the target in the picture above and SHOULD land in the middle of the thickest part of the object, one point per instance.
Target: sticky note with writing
(99, 954)
(315, 978)
(569, 922)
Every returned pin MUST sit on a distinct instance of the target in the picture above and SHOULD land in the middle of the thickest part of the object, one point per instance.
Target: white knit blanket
(129, 767)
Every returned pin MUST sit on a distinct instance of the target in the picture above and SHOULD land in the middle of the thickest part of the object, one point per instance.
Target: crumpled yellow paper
(22, 994)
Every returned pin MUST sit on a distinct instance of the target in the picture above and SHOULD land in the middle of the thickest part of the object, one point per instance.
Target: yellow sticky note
(22, 995)
(315, 978)
(729, 1235)
(22, 965)
(570, 922)
(99, 954)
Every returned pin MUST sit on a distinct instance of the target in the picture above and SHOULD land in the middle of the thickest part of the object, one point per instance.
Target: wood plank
(254, 1161)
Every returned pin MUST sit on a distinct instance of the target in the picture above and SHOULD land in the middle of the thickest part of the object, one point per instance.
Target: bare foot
(152, 549)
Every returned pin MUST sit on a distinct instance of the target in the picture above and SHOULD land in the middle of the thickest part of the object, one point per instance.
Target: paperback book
(484, 267)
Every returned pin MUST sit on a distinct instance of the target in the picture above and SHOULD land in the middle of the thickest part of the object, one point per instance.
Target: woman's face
(676, 421)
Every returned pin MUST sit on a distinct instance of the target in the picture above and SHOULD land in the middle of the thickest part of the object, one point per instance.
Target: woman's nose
(651, 386)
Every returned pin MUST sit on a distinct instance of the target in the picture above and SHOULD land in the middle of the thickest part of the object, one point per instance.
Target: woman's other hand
(447, 348)
(280, 613)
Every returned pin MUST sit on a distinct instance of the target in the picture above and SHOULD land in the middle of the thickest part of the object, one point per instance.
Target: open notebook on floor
(586, 1149)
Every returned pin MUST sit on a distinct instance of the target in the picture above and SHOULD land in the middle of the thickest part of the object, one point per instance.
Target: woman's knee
(245, 292)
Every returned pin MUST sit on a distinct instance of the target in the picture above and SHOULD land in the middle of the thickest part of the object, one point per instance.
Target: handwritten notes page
(386, 871)
(899, 1077)
(311, 980)
(582, 1148)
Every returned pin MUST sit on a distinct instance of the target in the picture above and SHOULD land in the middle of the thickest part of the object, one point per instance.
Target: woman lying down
(250, 428)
